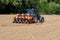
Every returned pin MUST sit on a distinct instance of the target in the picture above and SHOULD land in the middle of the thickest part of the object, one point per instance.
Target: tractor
(31, 16)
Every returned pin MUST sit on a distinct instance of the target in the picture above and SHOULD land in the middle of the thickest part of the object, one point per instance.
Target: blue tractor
(31, 16)
(35, 15)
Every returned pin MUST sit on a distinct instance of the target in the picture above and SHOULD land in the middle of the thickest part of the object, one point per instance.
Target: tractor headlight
(29, 17)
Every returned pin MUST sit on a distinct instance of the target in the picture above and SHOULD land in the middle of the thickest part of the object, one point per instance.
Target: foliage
(44, 6)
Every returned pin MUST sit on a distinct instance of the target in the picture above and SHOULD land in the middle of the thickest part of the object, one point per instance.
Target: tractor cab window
(31, 11)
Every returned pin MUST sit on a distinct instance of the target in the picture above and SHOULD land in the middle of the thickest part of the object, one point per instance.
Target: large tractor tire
(41, 20)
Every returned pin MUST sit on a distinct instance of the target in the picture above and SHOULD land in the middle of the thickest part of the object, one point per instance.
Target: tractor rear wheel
(41, 20)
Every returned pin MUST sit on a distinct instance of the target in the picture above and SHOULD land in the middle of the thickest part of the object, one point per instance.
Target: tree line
(44, 6)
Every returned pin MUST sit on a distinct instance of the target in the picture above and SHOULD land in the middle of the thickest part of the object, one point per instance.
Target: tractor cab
(34, 12)
(31, 11)
(30, 16)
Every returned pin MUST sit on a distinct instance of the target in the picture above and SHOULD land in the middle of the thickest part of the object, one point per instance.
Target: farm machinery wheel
(41, 19)
(26, 21)
(15, 21)
(35, 19)
(20, 21)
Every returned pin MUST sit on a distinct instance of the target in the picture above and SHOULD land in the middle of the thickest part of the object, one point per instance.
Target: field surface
(49, 30)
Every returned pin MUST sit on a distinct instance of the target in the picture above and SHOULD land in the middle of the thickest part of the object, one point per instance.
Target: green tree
(57, 1)
(44, 6)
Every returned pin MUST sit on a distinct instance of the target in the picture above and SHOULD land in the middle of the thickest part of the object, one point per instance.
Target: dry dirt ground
(49, 30)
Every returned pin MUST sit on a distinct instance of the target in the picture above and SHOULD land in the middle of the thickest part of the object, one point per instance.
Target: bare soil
(49, 30)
